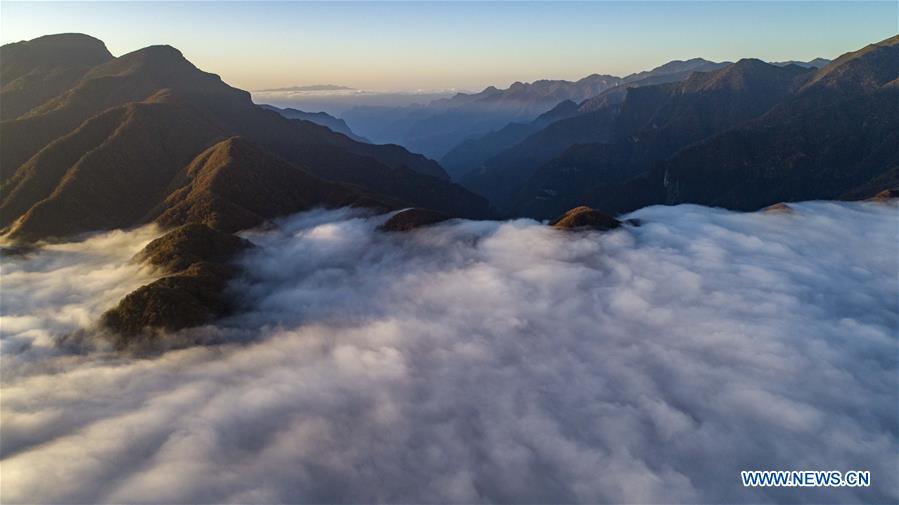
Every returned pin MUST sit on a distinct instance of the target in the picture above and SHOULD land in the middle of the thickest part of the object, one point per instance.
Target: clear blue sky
(466, 45)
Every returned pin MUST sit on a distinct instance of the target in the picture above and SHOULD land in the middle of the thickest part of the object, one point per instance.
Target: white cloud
(485, 362)
(60, 288)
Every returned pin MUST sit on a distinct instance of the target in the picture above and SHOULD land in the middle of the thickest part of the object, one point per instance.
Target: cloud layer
(60, 288)
(336, 102)
(479, 362)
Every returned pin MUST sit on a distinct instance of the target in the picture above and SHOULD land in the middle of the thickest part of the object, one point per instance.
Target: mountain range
(743, 137)
(90, 142)
(491, 167)
(131, 134)
(94, 142)
(815, 63)
(435, 128)
(438, 128)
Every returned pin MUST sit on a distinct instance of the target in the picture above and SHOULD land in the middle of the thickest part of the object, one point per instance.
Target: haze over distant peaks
(313, 87)
(436, 128)
(320, 118)
(542, 89)
(816, 63)
(749, 135)
(677, 67)
(484, 154)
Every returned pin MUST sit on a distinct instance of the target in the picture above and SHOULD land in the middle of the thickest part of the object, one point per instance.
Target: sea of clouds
(474, 362)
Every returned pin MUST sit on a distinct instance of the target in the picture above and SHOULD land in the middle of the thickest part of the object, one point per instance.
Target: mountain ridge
(335, 124)
(832, 136)
(500, 175)
(435, 128)
(106, 125)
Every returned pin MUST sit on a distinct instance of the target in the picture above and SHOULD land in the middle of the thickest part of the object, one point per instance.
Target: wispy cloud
(60, 288)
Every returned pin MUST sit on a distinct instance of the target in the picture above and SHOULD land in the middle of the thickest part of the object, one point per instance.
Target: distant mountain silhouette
(815, 63)
(498, 173)
(745, 137)
(673, 71)
(656, 121)
(105, 152)
(501, 176)
(529, 96)
(439, 126)
(320, 118)
(837, 137)
(472, 154)
(679, 68)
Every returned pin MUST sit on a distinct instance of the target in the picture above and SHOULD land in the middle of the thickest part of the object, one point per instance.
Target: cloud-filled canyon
(472, 361)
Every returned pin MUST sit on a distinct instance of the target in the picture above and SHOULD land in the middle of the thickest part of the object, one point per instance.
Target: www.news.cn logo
(806, 478)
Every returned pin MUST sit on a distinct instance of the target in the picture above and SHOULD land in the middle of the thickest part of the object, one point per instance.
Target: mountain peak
(744, 73)
(150, 60)
(868, 68)
(676, 67)
(160, 51)
(45, 66)
(598, 78)
(155, 56)
(583, 218)
(815, 63)
(746, 64)
(749, 65)
(66, 49)
(236, 184)
(64, 41)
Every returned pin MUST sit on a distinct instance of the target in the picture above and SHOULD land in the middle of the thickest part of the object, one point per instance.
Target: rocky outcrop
(886, 195)
(583, 217)
(778, 208)
(410, 219)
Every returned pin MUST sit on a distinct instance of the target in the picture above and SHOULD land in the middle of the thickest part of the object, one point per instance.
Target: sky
(455, 45)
